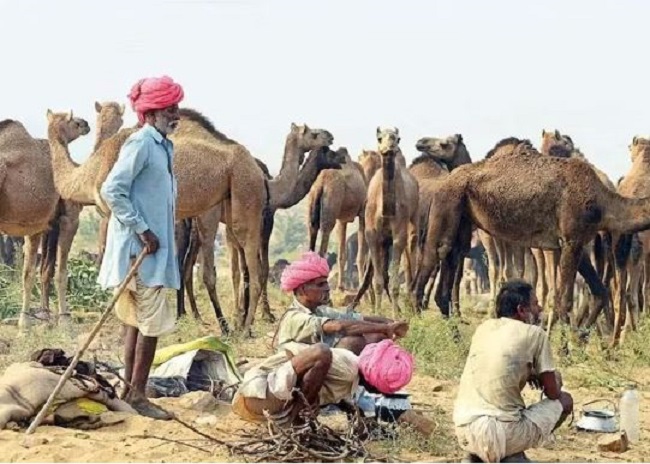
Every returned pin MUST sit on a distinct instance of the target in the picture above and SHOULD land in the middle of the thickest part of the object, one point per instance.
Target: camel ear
(98, 107)
(304, 129)
(70, 116)
(459, 139)
(122, 109)
(543, 132)
(635, 140)
(378, 132)
(50, 115)
(557, 135)
(294, 127)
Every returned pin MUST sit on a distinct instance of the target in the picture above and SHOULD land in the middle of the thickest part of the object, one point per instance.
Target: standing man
(140, 191)
(492, 421)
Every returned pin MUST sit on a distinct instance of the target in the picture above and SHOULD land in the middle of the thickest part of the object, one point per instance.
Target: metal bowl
(598, 420)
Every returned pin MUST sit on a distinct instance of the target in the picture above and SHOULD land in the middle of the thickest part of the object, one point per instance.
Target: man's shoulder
(144, 135)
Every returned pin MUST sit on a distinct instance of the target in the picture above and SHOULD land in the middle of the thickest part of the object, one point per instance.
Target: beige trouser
(492, 440)
(145, 308)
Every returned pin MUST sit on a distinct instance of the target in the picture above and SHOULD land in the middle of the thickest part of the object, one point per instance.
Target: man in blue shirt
(141, 191)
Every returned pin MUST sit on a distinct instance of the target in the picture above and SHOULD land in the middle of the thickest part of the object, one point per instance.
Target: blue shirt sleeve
(116, 190)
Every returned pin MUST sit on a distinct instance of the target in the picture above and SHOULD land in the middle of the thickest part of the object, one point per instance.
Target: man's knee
(322, 353)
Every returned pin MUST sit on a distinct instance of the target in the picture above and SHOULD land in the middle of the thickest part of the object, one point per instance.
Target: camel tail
(314, 219)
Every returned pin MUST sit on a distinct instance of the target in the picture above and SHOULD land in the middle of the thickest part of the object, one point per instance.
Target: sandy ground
(132, 440)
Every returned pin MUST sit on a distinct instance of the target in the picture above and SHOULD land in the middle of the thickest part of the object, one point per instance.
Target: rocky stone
(199, 401)
(614, 443)
(208, 419)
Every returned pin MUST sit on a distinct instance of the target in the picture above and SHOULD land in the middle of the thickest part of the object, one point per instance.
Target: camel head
(388, 140)
(65, 126)
(330, 159)
(370, 162)
(450, 150)
(640, 146)
(310, 139)
(556, 144)
(109, 118)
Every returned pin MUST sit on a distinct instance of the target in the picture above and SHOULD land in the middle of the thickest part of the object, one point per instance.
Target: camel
(391, 219)
(278, 189)
(532, 212)
(29, 198)
(438, 157)
(338, 197)
(635, 184)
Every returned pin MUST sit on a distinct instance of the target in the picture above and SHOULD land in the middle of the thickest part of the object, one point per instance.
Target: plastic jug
(629, 409)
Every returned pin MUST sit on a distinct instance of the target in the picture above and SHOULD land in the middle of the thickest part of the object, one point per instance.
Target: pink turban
(386, 366)
(154, 93)
(310, 266)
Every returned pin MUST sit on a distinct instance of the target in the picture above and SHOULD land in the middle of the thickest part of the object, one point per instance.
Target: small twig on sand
(171, 440)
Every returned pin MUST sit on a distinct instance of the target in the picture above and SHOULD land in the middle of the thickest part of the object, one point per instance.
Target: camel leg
(101, 243)
(518, 260)
(342, 230)
(207, 229)
(569, 260)
(361, 245)
(68, 225)
(542, 283)
(182, 230)
(30, 248)
(235, 273)
(191, 258)
(376, 258)
(493, 268)
(411, 253)
(646, 282)
(267, 230)
(251, 252)
(399, 246)
(632, 298)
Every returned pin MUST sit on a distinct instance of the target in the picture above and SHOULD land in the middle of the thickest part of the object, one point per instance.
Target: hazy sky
(485, 69)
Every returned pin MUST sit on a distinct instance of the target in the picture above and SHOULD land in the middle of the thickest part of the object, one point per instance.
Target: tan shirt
(502, 353)
(300, 325)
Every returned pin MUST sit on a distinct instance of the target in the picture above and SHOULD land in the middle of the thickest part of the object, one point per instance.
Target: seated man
(309, 320)
(492, 421)
(322, 376)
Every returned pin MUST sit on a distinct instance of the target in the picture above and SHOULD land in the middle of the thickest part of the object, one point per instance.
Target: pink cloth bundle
(386, 366)
(154, 93)
(310, 266)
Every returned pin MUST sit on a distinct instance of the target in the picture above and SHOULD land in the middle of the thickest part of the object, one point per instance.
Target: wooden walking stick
(68, 372)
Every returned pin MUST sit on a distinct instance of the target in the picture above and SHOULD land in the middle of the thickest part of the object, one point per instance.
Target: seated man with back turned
(492, 421)
(309, 320)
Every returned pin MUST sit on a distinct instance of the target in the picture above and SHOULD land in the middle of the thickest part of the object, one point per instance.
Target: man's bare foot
(144, 407)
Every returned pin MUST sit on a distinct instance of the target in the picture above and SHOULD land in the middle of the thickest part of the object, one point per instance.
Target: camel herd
(546, 214)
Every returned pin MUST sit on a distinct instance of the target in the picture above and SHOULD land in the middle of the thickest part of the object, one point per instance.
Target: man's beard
(165, 125)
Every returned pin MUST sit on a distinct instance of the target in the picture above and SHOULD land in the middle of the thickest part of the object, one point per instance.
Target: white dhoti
(145, 308)
(492, 440)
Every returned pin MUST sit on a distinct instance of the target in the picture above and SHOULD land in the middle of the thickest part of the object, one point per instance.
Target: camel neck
(388, 202)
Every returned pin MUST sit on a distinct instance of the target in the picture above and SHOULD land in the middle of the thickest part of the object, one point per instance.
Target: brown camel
(532, 212)
(338, 197)
(635, 184)
(438, 157)
(391, 220)
(562, 146)
(207, 225)
(29, 198)
(64, 228)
